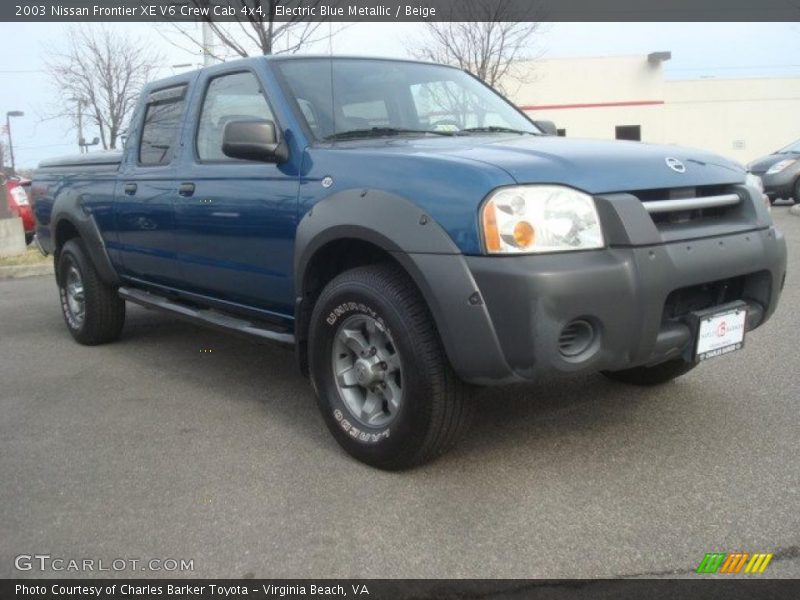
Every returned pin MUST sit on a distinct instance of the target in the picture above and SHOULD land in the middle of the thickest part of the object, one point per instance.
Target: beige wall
(739, 118)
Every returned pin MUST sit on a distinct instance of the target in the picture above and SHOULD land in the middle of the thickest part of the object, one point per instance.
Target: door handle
(130, 189)
(186, 189)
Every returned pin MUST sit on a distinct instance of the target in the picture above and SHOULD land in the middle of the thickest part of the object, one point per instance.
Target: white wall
(739, 118)
(556, 89)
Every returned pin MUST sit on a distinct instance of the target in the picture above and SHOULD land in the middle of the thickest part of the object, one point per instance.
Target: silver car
(780, 172)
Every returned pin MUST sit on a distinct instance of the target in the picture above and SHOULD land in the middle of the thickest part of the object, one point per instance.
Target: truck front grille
(675, 206)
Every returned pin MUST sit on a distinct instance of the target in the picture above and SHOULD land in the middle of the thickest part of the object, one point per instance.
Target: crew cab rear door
(145, 190)
(235, 219)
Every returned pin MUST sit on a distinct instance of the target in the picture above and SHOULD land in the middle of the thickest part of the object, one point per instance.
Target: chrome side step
(206, 316)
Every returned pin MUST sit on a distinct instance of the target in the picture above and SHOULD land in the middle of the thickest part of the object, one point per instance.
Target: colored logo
(735, 562)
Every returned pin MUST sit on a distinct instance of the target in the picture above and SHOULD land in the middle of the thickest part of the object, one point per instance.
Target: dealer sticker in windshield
(721, 334)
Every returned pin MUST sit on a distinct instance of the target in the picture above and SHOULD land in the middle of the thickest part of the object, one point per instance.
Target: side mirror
(547, 127)
(253, 140)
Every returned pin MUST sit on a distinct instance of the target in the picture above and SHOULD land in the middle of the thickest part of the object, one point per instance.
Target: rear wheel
(93, 311)
(383, 382)
(654, 375)
(796, 192)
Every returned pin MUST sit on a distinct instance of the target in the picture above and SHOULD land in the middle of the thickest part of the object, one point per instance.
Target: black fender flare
(387, 220)
(430, 257)
(71, 208)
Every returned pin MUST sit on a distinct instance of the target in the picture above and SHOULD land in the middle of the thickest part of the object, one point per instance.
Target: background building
(628, 97)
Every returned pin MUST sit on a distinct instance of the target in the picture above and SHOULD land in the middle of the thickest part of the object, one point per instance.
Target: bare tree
(101, 74)
(488, 44)
(255, 30)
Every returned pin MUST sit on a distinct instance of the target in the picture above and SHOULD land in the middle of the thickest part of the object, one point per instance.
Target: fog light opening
(576, 338)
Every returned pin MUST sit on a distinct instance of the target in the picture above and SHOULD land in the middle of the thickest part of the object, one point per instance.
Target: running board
(206, 316)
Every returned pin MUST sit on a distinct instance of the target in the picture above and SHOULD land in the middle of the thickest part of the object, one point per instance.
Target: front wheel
(654, 375)
(93, 311)
(383, 383)
(796, 193)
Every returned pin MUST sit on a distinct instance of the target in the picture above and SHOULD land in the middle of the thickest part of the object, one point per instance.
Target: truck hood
(594, 166)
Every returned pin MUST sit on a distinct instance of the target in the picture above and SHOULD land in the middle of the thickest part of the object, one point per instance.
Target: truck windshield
(357, 98)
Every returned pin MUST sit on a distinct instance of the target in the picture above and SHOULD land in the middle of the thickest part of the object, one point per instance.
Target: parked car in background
(18, 198)
(780, 172)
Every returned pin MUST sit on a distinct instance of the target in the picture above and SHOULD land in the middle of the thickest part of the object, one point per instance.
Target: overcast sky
(698, 50)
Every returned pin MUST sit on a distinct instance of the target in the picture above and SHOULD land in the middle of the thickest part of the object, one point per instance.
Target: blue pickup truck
(412, 235)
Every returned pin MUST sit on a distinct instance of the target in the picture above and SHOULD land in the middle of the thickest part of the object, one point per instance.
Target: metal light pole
(80, 126)
(79, 118)
(208, 42)
(9, 114)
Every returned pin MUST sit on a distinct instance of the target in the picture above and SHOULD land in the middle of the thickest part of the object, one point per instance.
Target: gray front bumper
(622, 292)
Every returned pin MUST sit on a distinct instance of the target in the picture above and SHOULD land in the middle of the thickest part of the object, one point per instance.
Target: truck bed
(108, 158)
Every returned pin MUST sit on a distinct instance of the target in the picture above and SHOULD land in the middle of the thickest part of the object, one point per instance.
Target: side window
(162, 121)
(228, 98)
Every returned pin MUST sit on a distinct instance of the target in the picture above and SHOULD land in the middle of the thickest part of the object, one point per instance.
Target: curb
(795, 210)
(21, 271)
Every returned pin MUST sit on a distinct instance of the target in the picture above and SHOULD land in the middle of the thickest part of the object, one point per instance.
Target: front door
(235, 220)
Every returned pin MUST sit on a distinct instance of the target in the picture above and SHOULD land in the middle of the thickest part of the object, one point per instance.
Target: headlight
(539, 218)
(754, 181)
(780, 166)
(19, 196)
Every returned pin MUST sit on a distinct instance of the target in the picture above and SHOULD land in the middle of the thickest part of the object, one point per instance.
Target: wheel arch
(339, 250)
(67, 227)
(366, 226)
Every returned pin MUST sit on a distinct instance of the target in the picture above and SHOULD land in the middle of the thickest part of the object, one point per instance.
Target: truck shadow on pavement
(520, 418)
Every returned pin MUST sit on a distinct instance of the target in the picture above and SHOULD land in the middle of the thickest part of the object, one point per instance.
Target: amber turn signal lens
(490, 231)
(524, 234)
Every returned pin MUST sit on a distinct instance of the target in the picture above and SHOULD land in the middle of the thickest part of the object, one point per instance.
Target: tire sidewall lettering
(356, 433)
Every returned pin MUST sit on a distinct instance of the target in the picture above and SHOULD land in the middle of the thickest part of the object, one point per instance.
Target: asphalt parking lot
(153, 447)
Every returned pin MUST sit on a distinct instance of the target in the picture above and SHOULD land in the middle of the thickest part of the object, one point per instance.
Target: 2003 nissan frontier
(411, 233)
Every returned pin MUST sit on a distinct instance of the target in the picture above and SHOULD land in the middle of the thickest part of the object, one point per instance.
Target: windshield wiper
(498, 129)
(383, 131)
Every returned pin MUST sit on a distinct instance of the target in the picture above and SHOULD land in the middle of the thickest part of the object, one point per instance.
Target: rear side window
(229, 98)
(162, 121)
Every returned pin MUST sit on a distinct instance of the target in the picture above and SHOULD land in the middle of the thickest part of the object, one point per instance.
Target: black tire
(655, 375)
(436, 407)
(796, 192)
(103, 310)
(28, 238)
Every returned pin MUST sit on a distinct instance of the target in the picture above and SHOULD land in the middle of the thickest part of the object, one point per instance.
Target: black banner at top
(403, 10)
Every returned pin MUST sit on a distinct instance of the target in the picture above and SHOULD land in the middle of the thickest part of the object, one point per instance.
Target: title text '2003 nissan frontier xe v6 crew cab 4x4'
(411, 233)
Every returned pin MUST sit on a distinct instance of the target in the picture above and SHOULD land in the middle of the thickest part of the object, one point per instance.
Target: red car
(18, 196)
